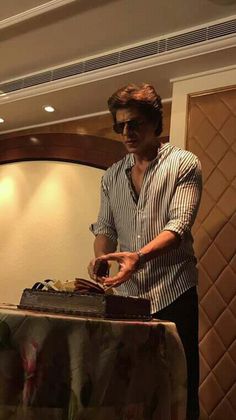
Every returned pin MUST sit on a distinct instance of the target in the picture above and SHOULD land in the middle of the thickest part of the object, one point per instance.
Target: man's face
(137, 131)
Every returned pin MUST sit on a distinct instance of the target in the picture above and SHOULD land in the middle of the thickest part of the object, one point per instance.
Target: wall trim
(86, 150)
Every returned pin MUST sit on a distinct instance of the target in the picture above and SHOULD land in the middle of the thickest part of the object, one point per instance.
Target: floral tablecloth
(68, 368)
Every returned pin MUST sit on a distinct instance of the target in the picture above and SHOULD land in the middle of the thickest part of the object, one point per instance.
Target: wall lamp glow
(2, 120)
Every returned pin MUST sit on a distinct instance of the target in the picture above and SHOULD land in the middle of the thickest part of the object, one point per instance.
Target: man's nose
(126, 128)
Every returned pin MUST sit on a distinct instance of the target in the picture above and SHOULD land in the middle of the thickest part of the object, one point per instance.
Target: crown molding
(32, 13)
(203, 73)
(63, 120)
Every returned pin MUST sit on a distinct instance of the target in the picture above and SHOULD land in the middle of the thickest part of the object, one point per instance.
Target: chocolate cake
(91, 305)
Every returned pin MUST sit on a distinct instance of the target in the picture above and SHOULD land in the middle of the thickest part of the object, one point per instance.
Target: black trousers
(184, 313)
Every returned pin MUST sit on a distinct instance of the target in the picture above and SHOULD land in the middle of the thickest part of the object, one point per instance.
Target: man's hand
(127, 266)
(102, 246)
(98, 269)
(91, 272)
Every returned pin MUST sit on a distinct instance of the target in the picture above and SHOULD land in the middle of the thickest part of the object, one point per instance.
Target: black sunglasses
(132, 125)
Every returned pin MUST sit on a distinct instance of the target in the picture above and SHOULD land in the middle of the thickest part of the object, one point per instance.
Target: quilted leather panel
(211, 135)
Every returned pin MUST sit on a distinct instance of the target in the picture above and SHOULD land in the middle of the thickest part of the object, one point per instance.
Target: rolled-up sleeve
(105, 223)
(186, 199)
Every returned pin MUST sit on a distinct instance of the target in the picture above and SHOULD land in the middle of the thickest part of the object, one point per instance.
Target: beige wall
(46, 208)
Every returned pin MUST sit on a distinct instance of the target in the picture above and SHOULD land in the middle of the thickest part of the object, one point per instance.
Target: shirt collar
(130, 160)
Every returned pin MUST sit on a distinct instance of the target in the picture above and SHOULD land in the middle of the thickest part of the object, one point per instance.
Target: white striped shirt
(168, 200)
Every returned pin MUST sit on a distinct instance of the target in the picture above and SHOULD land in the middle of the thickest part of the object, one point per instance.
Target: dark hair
(143, 97)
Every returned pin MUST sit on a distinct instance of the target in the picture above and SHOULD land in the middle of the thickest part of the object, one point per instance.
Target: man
(149, 202)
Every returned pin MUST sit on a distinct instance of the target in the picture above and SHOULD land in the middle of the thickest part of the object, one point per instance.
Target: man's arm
(104, 230)
(165, 241)
(129, 261)
(103, 245)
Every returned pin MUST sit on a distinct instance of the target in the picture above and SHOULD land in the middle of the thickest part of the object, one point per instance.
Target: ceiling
(39, 35)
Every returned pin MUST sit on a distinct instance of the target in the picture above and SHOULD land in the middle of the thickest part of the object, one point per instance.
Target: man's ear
(158, 129)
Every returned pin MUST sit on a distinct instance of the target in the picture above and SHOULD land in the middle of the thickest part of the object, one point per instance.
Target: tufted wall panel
(211, 135)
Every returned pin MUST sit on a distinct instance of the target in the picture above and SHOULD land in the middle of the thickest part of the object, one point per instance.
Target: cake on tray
(88, 298)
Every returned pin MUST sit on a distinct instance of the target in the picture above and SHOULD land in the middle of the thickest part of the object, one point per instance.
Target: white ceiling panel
(40, 35)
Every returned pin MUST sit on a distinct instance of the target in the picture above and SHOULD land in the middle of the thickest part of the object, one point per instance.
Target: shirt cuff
(176, 226)
(98, 229)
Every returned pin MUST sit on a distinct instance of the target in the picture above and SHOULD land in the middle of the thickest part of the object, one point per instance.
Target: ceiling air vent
(11, 86)
(222, 29)
(37, 79)
(139, 52)
(67, 71)
(162, 45)
(149, 49)
(101, 62)
(189, 38)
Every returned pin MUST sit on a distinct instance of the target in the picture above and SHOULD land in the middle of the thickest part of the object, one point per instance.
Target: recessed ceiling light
(2, 120)
(34, 140)
(49, 108)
